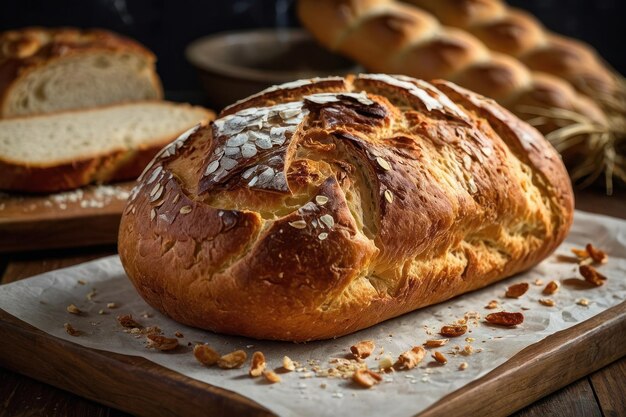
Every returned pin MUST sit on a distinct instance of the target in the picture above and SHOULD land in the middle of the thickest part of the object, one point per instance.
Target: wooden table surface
(602, 393)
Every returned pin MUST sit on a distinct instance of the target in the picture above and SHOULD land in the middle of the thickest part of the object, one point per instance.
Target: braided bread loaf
(320, 207)
(517, 33)
(392, 37)
(398, 38)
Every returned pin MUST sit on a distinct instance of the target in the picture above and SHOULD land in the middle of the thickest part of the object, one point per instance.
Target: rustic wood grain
(22, 266)
(576, 399)
(609, 385)
(128, 383)
(31, 222)
(25, 397)
(112, 379)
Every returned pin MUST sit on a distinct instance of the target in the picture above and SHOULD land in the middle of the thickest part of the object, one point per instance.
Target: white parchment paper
(42, 300)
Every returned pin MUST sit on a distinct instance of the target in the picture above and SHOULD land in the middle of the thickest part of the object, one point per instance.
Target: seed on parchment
(517, 290)
(271, 376)
(597, 255)
(411, 358)
(288, 364)
(547, 302)
(551, 288)
(592, 275)
(436, 342)
(205, 354)
(453, 331)
(73, 309)
(69, 329)
(257, 364)
(504, 318)
(440, 357)
(162, 343)
(232, 360)
(126, 320)
(385, 363)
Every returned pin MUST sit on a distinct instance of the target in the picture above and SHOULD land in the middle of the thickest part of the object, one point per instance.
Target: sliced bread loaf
(67, 150)
(50, 70)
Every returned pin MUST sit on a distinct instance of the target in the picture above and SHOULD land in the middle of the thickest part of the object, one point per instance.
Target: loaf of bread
(396, 38)
(517, 33)
(61, 151)
(49, 70)
(324, 206)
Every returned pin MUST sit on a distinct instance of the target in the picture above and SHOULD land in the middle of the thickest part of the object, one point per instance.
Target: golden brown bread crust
(319, 208)
(116, 166)
(119, 165)
(393, 37)
(517, 33)
(25, 50)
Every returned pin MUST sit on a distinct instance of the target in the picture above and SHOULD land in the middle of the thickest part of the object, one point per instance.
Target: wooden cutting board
(140, 387)
(87, 216)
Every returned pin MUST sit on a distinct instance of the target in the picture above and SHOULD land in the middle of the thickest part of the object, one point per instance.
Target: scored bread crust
(324, 206)
(62, 175)
(25, 50)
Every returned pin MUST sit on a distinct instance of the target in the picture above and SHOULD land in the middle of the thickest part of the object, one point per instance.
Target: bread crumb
(547, 302)
(363, 349)
(288, 364)
(69, 329)
(232, 360)
(161, 343)
(205, 354)
(257, 364)
(271, 376)
(73, 309)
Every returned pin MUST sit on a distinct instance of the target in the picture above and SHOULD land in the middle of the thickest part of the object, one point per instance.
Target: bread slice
(51, 70)
(67, 150)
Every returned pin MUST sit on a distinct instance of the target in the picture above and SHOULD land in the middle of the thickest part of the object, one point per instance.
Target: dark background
(167, 27)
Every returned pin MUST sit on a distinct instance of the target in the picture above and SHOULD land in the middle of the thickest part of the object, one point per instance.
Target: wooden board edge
(541, 368)
(557, 361)
(60, 233)
(137, 387)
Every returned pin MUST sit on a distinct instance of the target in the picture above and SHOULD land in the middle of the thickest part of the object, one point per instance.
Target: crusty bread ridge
(517, 33)
(49, 70)
(397, 38)
(70, 149)
(321, 207)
